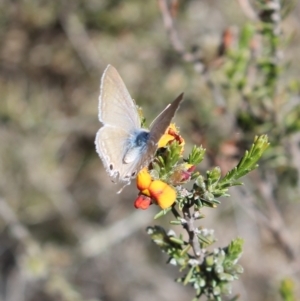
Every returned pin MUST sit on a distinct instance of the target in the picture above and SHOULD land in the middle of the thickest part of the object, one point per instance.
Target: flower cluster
(209, 272)
(153, 191)
(160, 190)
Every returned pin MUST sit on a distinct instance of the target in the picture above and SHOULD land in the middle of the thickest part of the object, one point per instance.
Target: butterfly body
(136, 144)
(122, 144)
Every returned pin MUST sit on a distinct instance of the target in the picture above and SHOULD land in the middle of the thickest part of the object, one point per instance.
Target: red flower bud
(142, 202)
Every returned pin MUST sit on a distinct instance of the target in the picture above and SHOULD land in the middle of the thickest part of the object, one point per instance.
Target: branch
(248, 10)
(191, 229)
(188, 223)
(187, 56)
(175, 40)
(18, 231)
(275, 222)
(80, 40)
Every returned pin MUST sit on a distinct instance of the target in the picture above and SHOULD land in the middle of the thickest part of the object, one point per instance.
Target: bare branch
(18, 231)
(175, 40)
(80, 40)
(271, 218)
(248, 9)
(275, 221)
(187, 56)
(191, 229)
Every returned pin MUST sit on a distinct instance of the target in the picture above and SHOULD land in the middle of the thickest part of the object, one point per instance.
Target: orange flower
(143, 181)
(160, 192)
(171, 134)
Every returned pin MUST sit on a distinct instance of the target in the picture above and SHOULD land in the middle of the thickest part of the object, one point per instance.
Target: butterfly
(122, 144)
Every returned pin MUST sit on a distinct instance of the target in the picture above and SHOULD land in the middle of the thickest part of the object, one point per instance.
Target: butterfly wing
(109, 145)
(160, 124)
(116, 107)
(123, 155)
(120, 118)
(158, 127)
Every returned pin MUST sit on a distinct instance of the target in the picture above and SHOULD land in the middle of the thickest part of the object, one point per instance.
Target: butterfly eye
(111, 167)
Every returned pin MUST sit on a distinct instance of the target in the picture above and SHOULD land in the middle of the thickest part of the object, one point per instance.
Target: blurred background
(64, 232)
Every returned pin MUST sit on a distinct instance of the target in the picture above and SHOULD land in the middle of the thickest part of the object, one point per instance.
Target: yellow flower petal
(172, 126)
(146, 192)
(143, 179)
(189, 167)
(170, 135)
(164, 140)
(162, 193)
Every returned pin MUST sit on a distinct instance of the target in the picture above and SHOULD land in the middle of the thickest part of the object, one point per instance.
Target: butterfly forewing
(116, 107)
(163, 120)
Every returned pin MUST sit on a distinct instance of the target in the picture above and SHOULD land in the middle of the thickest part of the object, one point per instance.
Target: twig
(293, 150)
(34, 250)
(272, 219)
(18, 231)
(80, 40)
(175, 40)
(248, 9)
(187, 56)
(275, 221)
(188, 223)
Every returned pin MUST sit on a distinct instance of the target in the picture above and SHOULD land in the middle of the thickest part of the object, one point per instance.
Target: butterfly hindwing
(109, 145)
(121, 155)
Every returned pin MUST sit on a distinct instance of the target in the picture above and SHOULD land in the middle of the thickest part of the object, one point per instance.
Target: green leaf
(246, 164)
(177, 241)
(246, 36)
(286, 290)
(188, 276)
(235, 249)
(162, 213)
(213, 176)
(196, 156)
